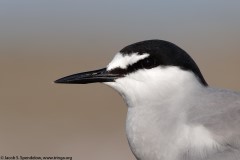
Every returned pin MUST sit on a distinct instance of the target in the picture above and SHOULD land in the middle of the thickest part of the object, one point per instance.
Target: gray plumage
(218, 110)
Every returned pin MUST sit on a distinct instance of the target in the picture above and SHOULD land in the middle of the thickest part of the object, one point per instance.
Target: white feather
(122, 61)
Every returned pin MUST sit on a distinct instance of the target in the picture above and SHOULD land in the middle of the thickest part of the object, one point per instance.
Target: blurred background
(41, 41)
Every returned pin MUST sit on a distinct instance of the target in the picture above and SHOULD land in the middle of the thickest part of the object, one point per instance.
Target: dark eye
(148, 63)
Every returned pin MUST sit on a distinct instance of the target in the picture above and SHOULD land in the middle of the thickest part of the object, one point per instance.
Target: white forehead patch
(122, 61)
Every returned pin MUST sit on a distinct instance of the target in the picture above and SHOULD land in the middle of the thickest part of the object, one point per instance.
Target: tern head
(145, 68)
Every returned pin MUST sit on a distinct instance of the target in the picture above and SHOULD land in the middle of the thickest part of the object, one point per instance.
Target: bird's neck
(163, 91)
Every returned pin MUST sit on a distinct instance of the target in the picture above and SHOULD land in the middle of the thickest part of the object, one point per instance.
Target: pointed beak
(101, 75)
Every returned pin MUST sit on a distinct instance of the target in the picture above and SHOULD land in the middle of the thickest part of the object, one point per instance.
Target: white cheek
(119, 85)
(114, 85)
(154, 83)
(119, 88)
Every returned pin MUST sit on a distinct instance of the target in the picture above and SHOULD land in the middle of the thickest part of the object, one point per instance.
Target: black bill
(101, 75)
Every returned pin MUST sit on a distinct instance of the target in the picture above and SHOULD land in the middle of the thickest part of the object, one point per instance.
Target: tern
(173, 114)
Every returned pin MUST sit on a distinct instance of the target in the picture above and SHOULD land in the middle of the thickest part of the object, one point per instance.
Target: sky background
(67, 27)
(41, 41)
